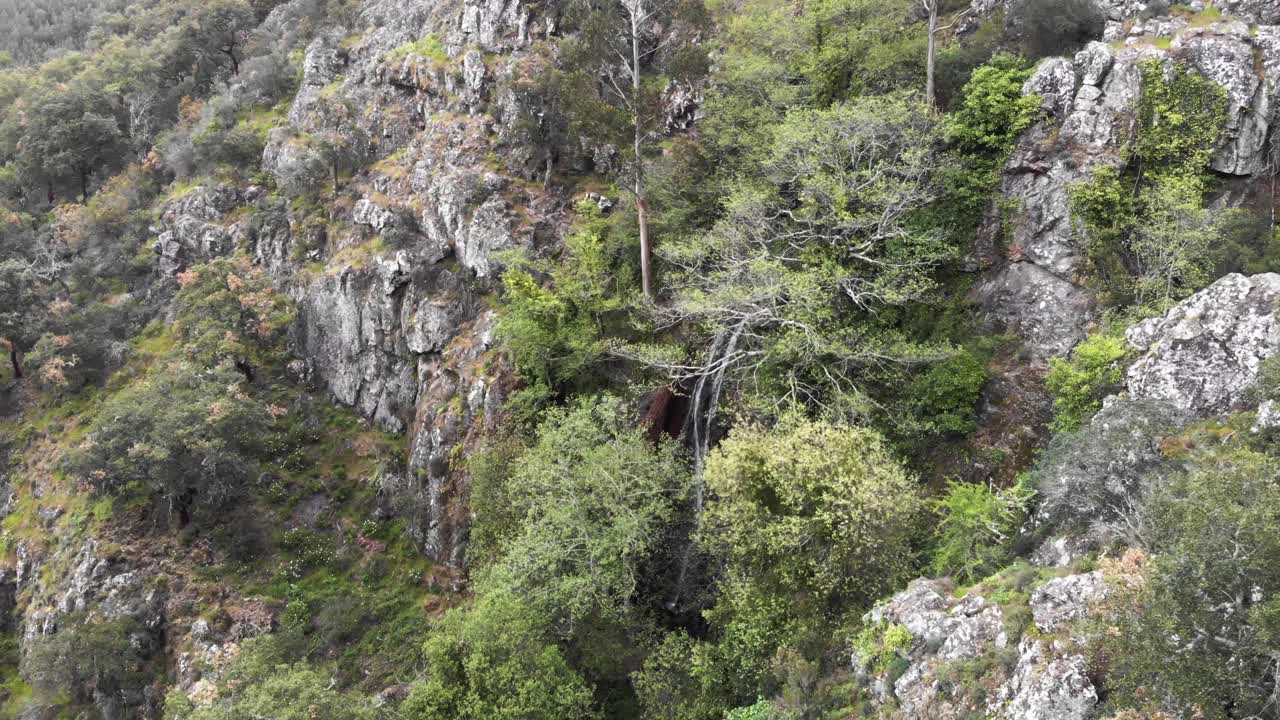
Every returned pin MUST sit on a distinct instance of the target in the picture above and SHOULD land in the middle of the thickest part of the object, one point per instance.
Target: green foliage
(555, 332)
(587, 557)
(87, 659)
(68, 133)
(184, 438)
(259, 685)
(1149, 235)
(861, 47)
(428, 47)
(84, 346)
(228, 309)
(1079, 383)
(880, 645)
(813, 510)
(994, 112)
(1202, 632)
(1181, 115)
(943, 399)
(981, 132)
(497, 661)
(761, 710)
(806, 256)
(665, 686)
(498, 512)
(977, 526)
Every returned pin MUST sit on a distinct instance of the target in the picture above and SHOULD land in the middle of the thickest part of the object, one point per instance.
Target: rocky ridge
(1032, 248)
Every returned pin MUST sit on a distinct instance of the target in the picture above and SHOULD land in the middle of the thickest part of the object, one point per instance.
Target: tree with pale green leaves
(595, 500)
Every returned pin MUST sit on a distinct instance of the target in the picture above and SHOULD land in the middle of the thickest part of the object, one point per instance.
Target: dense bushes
(1055, 27)
(184, 439)
(89, 660)
(1079, 382)
(1204, 629)
(498, 660)
(556, 333)
(229, 312)
(260, 684)
(587, 557)
(1097, 480)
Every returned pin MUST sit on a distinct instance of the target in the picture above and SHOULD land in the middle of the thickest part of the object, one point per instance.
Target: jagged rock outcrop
(389, 287)
(192, 230)
(1204, 354)
(1033, 289)
(1034, 285)
(1045, 677)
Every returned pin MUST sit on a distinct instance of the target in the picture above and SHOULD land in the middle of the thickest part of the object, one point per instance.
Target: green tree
(229, 311)
(595, 499)
(976, 528)
(497, 661)
(814, 510)
(70, 132)
(184, 437)
(86, 660)
(613, 44)
(1204, 631)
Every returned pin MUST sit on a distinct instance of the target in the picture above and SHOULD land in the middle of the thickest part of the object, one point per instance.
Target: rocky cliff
(1033, 247)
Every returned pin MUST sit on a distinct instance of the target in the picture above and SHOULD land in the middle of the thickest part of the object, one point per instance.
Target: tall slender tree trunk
(931, 62)
(15, 359)
(642, 207)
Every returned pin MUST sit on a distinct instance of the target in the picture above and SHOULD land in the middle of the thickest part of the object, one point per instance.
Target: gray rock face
(1224, 53)
(1204, 354)
(1033, 289)
(1042, 679)
(192, 230)
(1049, 683)
(1064, 599)
(1033, 286)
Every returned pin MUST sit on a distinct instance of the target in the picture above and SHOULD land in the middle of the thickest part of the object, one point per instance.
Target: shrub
(497, 660)
(86, 345)
(976, 528)
(554, 331)
(184, 438)
(1202, 632)
(1098, 480)
(943, 399)
(878, 646)
(85, 660)
(813, 509)
(1055, 27)
(258, 684)
(994, 111)
(1079, 383)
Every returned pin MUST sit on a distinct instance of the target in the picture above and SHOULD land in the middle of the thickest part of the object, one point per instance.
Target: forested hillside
(639, 359)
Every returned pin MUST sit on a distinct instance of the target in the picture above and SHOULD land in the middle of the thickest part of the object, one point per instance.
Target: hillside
(679, 360)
